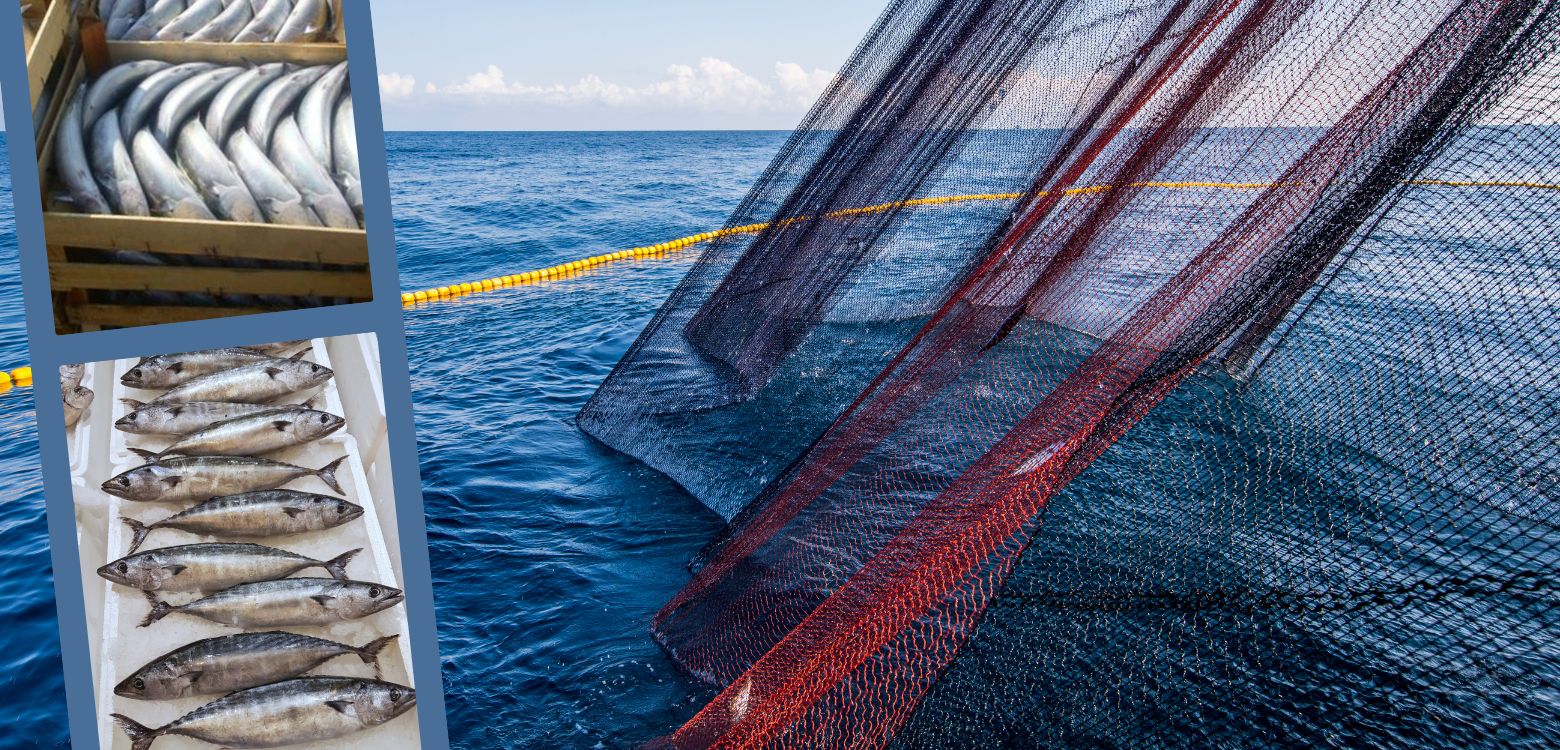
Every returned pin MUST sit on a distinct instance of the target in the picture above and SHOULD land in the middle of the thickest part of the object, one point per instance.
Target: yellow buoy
(22, 374)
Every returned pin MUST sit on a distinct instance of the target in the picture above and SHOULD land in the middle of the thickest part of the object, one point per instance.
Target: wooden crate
(56, 65)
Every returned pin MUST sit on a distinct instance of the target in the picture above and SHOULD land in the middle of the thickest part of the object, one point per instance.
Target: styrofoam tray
(127, 647)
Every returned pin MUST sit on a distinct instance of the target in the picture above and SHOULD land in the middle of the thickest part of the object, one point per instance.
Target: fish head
(157, 682)
(374, 702)
(151, 372)
(146, 571)
(356, 599)
(299, 374)
(336, 511)
(134, 422)
(313, 425)
(145, 483)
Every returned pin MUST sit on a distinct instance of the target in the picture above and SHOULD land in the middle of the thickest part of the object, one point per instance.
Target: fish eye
(124, 481)
(123, 568)
(373, 591)
(395, 694)
(132, 415)
(139, 684)
(135, 372)
(341, 507)
(324, 418)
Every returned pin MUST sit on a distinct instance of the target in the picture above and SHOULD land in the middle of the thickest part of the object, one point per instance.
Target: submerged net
(1123, 373)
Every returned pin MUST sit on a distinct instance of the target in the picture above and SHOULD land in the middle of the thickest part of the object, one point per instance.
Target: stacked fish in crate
(195, 168)
(240, 509)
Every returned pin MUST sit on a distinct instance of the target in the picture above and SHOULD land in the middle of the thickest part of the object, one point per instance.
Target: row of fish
(220, 409)
(217, 20)
(76, 396)
(273, 143)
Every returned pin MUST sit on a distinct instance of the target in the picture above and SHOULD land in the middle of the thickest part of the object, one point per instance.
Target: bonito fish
(253, 383)
(234, 98)
(188, 478)
(142, 101)
(305, 709)
(193, 19)
(158, 13)
(255, 434)
(306, 23)
(221, 665)
(70, 157)
(283, 602)
(183, 101)
(169, 192)
(292, 156)
(281, 202)
(76, 402)
(105, 92)
(315, 111)
(114, 170)
(344, 156)
(226, 194)
(194, 416)
(254, 515)
(168, 370)
(275, 101)
(215, 566)
(71, 375)
(277, 348)
(268, 21)
(227, 24)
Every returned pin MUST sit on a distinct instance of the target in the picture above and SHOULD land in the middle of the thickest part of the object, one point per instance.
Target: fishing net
(1124, 373)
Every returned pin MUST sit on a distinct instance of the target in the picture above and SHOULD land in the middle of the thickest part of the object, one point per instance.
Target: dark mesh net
(1113, 373)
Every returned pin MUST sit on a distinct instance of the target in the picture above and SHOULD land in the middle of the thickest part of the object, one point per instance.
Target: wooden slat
(221, 239)
(231, 53)
(47, 47)
(118, 276)
(127, 316)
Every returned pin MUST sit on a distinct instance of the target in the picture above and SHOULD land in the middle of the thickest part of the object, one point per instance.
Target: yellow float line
(20, 377)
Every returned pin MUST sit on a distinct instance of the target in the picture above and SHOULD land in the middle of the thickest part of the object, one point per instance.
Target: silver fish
(291, 155)
(278, 348)
(221, 665)
(306, 23)
(70, 161)
(168, 370)
(76, 402)
(194, 416)
(227, 24)
(284, 602)
(121, 18)
(184, 100)
(344, 157)
(234, 98)
(114, 170)
(141, 103)
(278, 199)
(214, 566)
(193, 19)
(254, 515)
(109, 88)
(217, 178)
(253, 383)
(253, 435)
(71, 375)
(303, 709)
(187, 478)
(268, 21)
(157, 15)
(315, 111)
(169, 191)
(276, 100)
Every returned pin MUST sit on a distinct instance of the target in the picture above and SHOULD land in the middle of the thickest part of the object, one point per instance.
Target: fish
(191, 416)
(70, 160)
(276, 100)
(278, 199)
(121, 18)
(291, 155)
(193, 19)
(213, 566)
(268, 21)
(158, 13)
(168, 370)
(283, 602)
(234, 98)
(306, 23)
(227, 24)
(76, 402)
(252, 383)
(344, 157)
(221, 665)
(193, 478)
(71, 375)
(142, 101)
(278, 348)
(114, 170)
(253, 515)
(315, 111)
(217, 178)
(303, 709)
(252, 435)
(169, 191)
(109, 88)
(183, 101)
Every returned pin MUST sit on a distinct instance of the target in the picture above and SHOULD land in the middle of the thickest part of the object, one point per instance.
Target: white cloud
(395, 85)
(709, 85)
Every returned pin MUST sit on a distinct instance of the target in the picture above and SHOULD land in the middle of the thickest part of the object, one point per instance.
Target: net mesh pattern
(1221, 409)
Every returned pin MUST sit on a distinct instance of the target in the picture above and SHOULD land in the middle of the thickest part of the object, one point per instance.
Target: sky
(610, 64)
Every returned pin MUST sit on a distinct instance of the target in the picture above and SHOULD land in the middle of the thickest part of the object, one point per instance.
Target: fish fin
(175, 568)
(340, 706)
(337, 566)
(322, 599)
(313, 402)
(273, 372)
(150, 456)
(293, 512)
(328, 475)
(173, 481)
(176, 367)
(132, 403)
(138, 530)
(160, 609)
(299, 355)
(141, 736)
(369, 652)
(281, 425)
(176, 411)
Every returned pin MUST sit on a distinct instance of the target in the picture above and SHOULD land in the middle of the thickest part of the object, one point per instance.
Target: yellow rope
(573, 268)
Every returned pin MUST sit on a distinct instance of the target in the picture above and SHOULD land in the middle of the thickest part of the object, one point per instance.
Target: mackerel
(303, 709)
(192, 416)
(114, 170)
(268, 21)
(169, 191)
(221, 665)
(215, 566)
(168, 370)
(253, 383)
(283, 602)
(253, 515)
(265, 432)
(188, 478)
(291, 155)
(70, 160)
(225, 192)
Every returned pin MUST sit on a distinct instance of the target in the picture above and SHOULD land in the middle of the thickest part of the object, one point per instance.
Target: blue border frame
(381, 316)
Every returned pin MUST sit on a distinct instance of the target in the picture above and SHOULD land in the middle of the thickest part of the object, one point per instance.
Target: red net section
(1310, 245)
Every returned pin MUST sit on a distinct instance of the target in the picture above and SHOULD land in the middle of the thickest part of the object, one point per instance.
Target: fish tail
(160, 609)
(337, 566)
(369, 652)
(141, 736)
(138, 529)
(328, 475)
